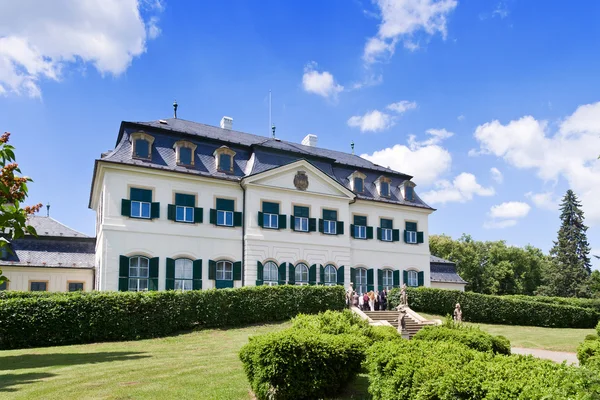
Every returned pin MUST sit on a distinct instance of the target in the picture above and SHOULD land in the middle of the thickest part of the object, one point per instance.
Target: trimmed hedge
(72, 318)
(565, 301)
(445, 370)
(497, 309)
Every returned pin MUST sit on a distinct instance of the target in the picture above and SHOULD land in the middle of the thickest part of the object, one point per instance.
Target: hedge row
(61, 319)
(565, 301)
(445, 370)
(472, 337)
(497, 309)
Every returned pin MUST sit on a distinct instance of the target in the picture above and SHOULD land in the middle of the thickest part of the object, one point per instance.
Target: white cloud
(40, 39)
(510, 210)
(460, 118)
(425, 162)
(496, 175)
(494, 224)
(570, 153)
(321, 83)
(545, 200)
(402, 106)
(372, 121)
(437, 136)
(462, 189)
(401, 20)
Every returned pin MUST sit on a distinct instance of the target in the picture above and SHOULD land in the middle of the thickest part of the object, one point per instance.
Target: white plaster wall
(57, 278)
(448, 285)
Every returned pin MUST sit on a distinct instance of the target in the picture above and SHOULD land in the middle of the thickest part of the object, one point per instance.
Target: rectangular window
(301, 215)
(75, 286)
(385, 189)
(386, 229)
(184, 272)
(184, 214)
(271, 221)
(409, 192)
(142, 148)
(358, 185)
(185, 155)
(386, 234)
(38, 286)
(3, 286)
(224, 271)
(329, 227)
(225, 162)
(411, 237)
(141, 200)
(360, 232)
(224, 218)
(138, 274)
(413, 278)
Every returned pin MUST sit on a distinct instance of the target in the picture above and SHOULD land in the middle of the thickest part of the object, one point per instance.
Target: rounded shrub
(588, 349)
(592, 336)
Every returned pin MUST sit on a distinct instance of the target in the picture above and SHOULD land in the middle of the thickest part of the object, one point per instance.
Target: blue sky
(493, 106)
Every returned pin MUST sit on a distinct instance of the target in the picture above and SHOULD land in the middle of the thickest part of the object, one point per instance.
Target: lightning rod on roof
(175, 109)
(271, 126)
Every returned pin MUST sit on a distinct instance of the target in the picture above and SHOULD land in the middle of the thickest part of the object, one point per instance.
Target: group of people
(369, 301)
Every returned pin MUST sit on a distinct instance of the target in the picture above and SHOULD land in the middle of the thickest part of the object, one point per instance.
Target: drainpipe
(243, 233)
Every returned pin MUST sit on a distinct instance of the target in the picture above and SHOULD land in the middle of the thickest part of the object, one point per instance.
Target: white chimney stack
(227, 123)
(310, 140)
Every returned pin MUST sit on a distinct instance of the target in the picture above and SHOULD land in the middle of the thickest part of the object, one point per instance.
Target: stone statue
(457, 313)
(349, 293)
(403, 295)
(402, 322)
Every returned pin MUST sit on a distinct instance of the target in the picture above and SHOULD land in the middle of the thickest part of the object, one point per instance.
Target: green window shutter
(405, 236)
(197, 284)
(260, 219)
(123, 284)
(405, 277)
(339, 229)
(370, 280)
(421, 278)
(321, 225)
(126, 208)
(378, 233)
(292, 223)
(237, 218)
(380, 280)
(225, 205)
(352, 230)
(340, 275)
(197, 270)
(353, 276)
(123, 273)
(396, 277)
(170, 279)
(300, 211)
(270, 208)
(154, 210)
(237, 271)
(411, 226)
(420, 237)
(386, 223)
(369, 232)
(259, 273)
(321, 274)
(171, 212)
(282, 222)
(330, 215)
(312, 224)
(213, 216)
(395, 235)
(292, 274)
(198, 215)
(312, 274)
(360, 220)
(144, 195)
(212, 269)
(188, 200)
(282, 272)
(153, 274)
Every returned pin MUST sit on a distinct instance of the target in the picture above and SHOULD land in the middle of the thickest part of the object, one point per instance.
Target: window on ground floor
(224, 270)
(330, 275)
(413, 278)
(38, 286)
(388, 279)
(138, 274)
(301, 274)
(270, 273)
(184, 274)
(75, 286)
(361, 280)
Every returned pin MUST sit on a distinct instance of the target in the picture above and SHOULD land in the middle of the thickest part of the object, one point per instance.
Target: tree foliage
(13, 191)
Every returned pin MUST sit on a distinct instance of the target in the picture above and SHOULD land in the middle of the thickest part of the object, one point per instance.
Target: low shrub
(300, 364)
(588, 349)
(444, 370)
(470, 336)
(498, 309)
(565, 301)
(60, 319)
(501, 345)
(592, 336)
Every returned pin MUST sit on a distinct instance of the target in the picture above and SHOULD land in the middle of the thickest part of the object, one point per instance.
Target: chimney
(310, 140)
(226, 123)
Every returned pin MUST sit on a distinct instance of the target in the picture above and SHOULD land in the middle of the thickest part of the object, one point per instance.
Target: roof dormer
(408, 190)
(357, 182)
(141, 145)
(224, 159)
(184, 152)
(383, 186)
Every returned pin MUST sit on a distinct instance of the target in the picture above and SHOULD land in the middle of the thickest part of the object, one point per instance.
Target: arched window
(224, 159)
(184, 152)
(361, 281)
(184, 274)
(138, 273)
(301, 274)
(330, 275)
(388, 279)
(270, 273)
(224, 271)
(142, 145)
(413, 278)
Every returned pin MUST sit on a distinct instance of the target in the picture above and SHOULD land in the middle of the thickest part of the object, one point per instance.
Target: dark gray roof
(52, 252)
(444, 271)
(254, 154)
(46, 226)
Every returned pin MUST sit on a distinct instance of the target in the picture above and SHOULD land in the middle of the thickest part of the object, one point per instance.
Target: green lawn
(534, 337)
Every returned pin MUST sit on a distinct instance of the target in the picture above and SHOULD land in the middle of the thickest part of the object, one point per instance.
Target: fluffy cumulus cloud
(320, 83)
(375, 120)
(461, 190)
(506, 214)
(544, 200)
(425, 162)
(569, 152)
(40, 39)
(401, 20)
(496, 175)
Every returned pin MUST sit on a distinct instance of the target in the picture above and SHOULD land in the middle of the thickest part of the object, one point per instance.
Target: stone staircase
(414, 322)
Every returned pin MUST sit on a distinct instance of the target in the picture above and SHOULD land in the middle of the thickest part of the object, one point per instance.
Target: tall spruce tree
(571, 268)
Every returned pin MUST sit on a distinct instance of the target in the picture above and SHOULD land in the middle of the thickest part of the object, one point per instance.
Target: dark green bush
(300, 364)
(565, 301)
(472, 337)
(444, 370)
(592, 336)
(60, 319)
(498, 309)
(501, 345)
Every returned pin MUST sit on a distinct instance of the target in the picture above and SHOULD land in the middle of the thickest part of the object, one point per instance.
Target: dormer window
(357, 181)
(184, 152)
(224, 159)
(383, 186)
(142, 145)
(408, 189)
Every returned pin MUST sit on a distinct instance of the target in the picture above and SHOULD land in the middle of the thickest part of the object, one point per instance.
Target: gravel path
(556, 356)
